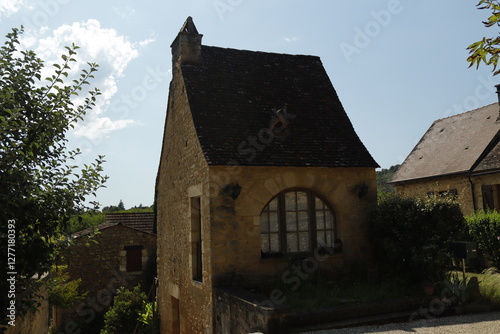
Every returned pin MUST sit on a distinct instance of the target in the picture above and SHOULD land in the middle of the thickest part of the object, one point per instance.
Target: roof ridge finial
(189, 26)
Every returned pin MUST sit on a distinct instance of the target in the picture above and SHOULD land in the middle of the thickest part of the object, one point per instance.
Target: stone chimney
(186, 48)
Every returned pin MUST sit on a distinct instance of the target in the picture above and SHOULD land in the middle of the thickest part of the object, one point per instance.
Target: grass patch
(489, 285)
(328, 294)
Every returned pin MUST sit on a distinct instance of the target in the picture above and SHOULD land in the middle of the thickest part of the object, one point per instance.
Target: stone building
(260, 164)
(118, 255)
(459, 156)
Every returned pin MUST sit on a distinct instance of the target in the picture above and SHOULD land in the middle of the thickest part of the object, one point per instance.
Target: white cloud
(9, 7)
(100, 127)
(145, 42)
(124, 12)
(290, 39)
(113, 53)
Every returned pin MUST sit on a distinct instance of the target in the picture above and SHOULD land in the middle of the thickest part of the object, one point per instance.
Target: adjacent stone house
(459, 156)
(260, 164)
(118, 255)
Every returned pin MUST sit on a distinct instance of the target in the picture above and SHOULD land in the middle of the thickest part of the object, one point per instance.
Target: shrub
(123, 316)
(63, 291)
(411, 238)
(484, 228)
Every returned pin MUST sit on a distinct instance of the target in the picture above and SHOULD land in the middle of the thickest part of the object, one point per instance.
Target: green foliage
(85, 220)
(484, 228)
(384, 176)
(147, 317)
(63, 291)
(487, 50)
(411, 238)
(40, 187)
(126, 313)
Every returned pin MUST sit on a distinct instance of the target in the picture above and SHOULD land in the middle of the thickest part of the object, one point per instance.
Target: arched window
(296, 222)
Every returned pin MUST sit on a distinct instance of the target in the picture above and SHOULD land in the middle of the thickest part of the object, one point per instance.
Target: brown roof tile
(143, 221)
(232, 94)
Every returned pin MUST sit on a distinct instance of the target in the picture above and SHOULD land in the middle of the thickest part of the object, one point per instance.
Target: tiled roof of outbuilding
(143, 221)
(232, 94)
(454, 145)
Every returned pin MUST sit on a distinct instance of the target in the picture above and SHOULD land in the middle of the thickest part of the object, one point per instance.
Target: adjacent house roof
(269, 109)
(455, 144)
(143, 221)
(102, 227)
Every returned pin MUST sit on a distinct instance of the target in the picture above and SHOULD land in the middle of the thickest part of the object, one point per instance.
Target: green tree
(41, 188)
(384, 176)
(487, 50)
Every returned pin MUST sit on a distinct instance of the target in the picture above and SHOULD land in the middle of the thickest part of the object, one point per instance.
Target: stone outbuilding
(260, 165)
(458, 156)
(117, 255)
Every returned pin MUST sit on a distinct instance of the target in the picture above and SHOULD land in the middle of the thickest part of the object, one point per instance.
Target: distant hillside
(383, 177)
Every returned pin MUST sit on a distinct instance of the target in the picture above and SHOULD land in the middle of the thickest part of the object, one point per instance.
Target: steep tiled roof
(453, 145)
(232, 94)
(139, 220)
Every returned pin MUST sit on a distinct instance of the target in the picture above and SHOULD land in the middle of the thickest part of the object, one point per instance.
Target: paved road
(482, 323)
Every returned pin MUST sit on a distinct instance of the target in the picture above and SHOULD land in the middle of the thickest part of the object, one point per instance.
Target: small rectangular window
(134, 258)
(196, 239)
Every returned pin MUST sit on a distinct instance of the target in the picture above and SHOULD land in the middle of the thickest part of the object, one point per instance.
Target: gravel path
(483, 323)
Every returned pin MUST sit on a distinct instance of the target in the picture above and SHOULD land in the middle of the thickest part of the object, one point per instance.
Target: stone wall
(460, 182)
(183, 173)
(235, 224)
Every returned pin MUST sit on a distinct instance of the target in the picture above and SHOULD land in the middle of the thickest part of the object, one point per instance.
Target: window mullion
(312, 219)
(282, 223)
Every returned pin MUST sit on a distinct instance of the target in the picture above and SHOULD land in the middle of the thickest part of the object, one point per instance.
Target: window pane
(329, 220)
(291, 240)
(273, 205)
(303, 221)
(320, 236)
(264, 243)
(329, 239)
(301, 201)
(264, 223)
(291, 221)
(319, 203)
(290, 201)
(320, 220)
(275, 242)
(304, 241)
(273, 221)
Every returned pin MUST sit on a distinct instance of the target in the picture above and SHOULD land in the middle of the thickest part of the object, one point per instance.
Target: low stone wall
(240, 312)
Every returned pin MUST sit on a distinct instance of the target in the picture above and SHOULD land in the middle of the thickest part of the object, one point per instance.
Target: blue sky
(397, 65)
